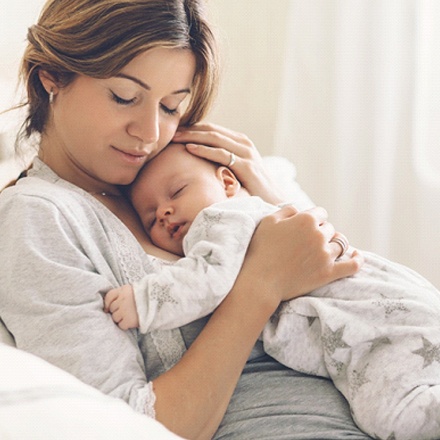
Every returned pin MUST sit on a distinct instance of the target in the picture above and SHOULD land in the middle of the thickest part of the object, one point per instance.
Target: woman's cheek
(168, 131)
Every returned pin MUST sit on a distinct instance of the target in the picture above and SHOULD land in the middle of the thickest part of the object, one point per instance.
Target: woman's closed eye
(122, 101)
(126, 102)
(169, 111)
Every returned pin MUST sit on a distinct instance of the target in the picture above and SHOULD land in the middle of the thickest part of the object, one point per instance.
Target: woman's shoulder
(42, 185)
(41, 201)
(34, 191)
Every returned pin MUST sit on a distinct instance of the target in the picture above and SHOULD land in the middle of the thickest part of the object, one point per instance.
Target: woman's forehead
(166, 68)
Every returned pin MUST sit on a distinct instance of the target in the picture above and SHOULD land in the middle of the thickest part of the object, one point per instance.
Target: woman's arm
(53, 277)
(216, 143)
(288, 256)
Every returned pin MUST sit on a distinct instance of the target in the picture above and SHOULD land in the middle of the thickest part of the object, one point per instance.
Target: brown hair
(97, 38)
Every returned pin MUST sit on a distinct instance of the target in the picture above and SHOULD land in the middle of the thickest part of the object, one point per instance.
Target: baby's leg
(395, 387)
(377, 335)
(294, 339)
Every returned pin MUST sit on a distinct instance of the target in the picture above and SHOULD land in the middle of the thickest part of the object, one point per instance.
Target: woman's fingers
(318, 216)
(349, 266)
(216, 143)
(233, 149)
(293, 251)
(285, 212)
(216, 134)
(339, 244)
(218, 155)
(337, 241)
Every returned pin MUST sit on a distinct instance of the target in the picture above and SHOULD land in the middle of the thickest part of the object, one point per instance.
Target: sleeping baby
(375, 334)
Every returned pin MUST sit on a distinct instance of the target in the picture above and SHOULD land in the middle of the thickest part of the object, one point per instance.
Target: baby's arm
(194, 286)
(122, 306)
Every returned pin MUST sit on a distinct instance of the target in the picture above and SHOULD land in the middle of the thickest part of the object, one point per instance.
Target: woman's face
(104, 130)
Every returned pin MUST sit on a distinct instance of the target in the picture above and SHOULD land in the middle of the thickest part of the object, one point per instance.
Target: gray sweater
(61, 250)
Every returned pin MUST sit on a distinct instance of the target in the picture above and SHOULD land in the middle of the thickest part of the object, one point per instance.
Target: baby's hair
(214, 165)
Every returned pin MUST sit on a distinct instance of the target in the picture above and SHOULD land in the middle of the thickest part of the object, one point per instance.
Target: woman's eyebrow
(146, 86)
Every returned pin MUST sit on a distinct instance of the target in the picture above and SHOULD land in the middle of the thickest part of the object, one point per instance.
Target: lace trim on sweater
(146, 400)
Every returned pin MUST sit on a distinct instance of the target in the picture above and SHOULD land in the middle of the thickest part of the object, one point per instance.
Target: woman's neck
(63, 165)
(109, 195)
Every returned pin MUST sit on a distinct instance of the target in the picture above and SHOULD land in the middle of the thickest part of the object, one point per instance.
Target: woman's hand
(292, 253)
(217, 144)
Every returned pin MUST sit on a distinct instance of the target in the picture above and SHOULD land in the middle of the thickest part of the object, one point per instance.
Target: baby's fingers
(117, 317)
(110, 296)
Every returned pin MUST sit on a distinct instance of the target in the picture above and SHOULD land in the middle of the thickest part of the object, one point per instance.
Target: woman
(108, 83)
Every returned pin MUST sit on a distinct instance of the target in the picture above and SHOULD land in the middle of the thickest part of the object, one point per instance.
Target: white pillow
(41, 402)
(283, 174)
(5, 336)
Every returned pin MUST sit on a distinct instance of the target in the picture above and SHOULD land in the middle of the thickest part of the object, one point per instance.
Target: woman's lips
(132, 158)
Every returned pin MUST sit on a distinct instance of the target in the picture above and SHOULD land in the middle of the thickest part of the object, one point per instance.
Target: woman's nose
(145, 127)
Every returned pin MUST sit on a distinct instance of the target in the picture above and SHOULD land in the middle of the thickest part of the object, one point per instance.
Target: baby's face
(171, 190)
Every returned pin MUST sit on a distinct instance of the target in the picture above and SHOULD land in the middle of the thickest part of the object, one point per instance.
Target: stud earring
(51, 97)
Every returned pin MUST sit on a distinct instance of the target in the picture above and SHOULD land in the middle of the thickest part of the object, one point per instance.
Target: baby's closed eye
(176, 192)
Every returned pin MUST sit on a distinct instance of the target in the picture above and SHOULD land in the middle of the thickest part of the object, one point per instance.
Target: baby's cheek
(156, 237)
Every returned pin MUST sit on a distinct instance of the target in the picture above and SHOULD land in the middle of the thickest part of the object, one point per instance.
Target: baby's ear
(229, 181)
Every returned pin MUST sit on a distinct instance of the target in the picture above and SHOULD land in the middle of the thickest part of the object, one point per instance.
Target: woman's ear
(229, 181)
(48, 81)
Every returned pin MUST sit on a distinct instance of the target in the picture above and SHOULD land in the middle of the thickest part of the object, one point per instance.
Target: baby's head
(173, 188)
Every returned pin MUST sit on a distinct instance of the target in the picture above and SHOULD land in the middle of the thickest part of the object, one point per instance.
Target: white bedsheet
(41, 402)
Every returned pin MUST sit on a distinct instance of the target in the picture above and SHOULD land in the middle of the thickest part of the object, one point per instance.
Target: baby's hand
(122, 306)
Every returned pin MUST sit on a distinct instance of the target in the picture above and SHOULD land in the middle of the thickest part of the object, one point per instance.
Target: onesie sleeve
(53, 278)
(194, 286)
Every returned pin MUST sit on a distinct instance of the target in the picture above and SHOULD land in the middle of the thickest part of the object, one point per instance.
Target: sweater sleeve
(194, 286)
(53, 278)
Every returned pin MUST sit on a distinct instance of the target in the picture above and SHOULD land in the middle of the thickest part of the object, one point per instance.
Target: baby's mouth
(175, 230)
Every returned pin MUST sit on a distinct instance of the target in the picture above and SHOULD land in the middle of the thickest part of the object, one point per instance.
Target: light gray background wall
(252, 34)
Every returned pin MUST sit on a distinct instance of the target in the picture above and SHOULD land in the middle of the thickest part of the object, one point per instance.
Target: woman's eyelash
(169, 111)
(122, 101)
